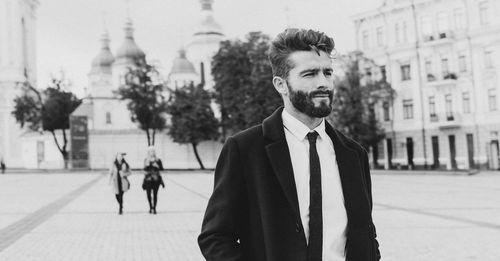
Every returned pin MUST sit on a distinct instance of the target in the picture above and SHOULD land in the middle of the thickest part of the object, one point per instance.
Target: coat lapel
(279, 157)
(350, 173)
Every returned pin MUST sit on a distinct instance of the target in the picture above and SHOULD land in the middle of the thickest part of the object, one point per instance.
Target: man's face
(310, 83)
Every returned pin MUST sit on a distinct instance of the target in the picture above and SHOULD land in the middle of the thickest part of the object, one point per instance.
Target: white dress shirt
(334, 213)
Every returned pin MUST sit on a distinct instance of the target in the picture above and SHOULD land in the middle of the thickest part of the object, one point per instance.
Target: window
(449, 107)
(462, 64)
(428, 70)
(405, 72)
(385, 106)
(488, 61)
(365, 40)
(397, 32)
(483, 13)
(426, 26)
(442, 23)
(368, 74)
(432, 106)
(444, 67)
(380, 36)
(108, 118)
(492, 99)
(459, 18)
(408, 109)
(466, 102)
(405, 33)
(383, 72)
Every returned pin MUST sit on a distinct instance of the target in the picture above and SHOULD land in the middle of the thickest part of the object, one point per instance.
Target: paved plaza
(73, 216)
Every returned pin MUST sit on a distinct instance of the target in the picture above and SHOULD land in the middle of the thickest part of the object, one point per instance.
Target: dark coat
(253, 213)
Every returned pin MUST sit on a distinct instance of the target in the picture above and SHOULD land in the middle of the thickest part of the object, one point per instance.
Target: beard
(303, 102)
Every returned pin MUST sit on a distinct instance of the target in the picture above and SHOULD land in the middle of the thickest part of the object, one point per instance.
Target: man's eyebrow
(313, 70)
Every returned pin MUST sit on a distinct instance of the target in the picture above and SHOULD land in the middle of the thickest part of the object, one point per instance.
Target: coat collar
(348, 162)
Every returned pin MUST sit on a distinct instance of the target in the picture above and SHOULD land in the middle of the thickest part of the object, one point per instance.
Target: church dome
(129, 49)
(103, 60)
(182, 64)
(207, 24)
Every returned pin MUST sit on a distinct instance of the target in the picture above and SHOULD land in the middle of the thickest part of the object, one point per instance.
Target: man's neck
(310, 122)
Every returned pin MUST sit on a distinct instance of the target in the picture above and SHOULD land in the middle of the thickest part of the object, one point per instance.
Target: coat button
(297, 227)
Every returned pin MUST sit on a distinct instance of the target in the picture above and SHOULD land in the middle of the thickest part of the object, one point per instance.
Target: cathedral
(107, 127)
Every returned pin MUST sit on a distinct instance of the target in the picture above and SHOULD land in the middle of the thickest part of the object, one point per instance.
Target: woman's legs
(155, 198)
(119, 198)
(148, 193)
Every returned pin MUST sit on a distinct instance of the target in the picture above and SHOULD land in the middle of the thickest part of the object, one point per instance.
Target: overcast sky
(68, 32)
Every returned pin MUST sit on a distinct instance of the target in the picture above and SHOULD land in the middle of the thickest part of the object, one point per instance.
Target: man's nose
(324, 82)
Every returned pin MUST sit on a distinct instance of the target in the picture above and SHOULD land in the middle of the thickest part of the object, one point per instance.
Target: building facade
(440, 57)
(108, 125)
(17, 66)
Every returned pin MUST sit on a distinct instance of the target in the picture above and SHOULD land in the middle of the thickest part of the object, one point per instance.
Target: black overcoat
(253, 213)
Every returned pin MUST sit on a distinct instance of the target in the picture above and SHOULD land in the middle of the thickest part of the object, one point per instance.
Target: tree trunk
(63, 151)
(195, 149)
(153, 137)
(375, 155)
(149, 138)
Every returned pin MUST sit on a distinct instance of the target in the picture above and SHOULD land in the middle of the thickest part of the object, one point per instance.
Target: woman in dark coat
(152, 178)
(118, 178)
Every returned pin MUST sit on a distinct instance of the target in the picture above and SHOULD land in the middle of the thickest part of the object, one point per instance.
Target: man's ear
(280, 85)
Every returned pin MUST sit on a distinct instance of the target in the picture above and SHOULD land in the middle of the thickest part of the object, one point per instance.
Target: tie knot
(312, 136)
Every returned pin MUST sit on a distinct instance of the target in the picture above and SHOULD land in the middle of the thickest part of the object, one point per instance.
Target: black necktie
(315, 247)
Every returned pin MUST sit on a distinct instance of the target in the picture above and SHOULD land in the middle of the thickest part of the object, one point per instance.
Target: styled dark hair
(292, 40)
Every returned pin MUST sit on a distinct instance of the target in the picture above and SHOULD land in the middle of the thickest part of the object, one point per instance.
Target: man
(292, 188)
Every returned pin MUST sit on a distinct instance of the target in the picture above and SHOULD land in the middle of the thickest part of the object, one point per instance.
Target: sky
(68, 32)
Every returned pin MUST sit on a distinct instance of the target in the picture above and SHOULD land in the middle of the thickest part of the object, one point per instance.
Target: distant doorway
(389, 152)
(453, 152)
(409, 152)
(435, 152)
(470, 150)
(495, 164)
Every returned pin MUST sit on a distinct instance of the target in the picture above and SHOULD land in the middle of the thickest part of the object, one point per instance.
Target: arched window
(108, 117)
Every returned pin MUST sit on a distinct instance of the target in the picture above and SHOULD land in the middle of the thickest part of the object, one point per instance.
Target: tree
(243, 82)
(193, 120)
(143, 92)
(47, 110)
(357, 95)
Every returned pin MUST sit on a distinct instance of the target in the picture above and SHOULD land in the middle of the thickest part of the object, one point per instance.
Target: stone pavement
(73, 216)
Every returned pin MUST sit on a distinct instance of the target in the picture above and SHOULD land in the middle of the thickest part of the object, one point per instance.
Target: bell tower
(17, 65)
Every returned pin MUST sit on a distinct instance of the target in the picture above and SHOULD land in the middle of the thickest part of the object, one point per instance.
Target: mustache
(321, 92)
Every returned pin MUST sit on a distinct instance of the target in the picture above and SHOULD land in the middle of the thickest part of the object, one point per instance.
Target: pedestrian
(118, 174)
(152, 178)
(2, 165)
(293, 188)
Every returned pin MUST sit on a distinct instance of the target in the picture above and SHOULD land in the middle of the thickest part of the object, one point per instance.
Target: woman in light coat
(118, 178)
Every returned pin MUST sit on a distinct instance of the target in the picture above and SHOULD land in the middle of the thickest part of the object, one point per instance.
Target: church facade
(107, 121)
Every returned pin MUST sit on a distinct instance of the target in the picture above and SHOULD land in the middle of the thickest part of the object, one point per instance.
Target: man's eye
(308, 74)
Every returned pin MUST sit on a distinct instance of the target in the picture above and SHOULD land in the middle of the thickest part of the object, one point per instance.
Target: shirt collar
(299, 129)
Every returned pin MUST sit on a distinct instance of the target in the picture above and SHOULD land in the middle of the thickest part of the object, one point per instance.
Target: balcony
(448, 120)
(438, 38)
(447, 80)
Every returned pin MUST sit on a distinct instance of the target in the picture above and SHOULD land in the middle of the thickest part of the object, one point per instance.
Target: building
(17, 66)
(105, 123)
(108, 120)
(204, 43)
(440, 58)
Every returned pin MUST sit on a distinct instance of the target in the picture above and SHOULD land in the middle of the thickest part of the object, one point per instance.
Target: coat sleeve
(220, 232)
(366, 168)
(160, 164)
